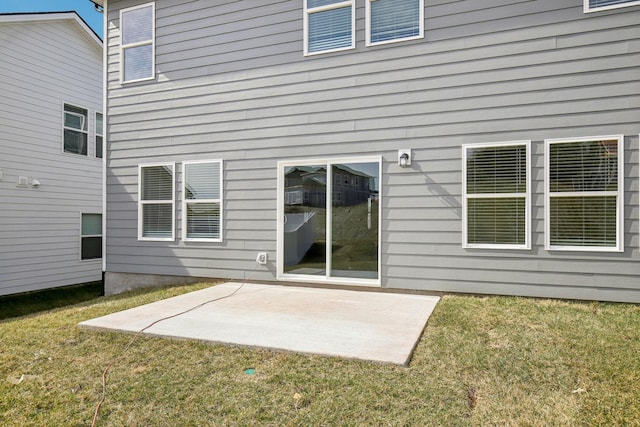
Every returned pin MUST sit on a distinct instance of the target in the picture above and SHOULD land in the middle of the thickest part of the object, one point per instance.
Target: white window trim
(87, 132)
(91, 235)
(326, 279)
(310, 11)
(151, 42)
(141, 202)
(588, 9)
(527, 197)
(185, 202)
(368, 27)
(619, 247)
(98, 132)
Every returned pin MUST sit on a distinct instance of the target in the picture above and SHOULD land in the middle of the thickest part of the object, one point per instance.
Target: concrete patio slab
(383, 327)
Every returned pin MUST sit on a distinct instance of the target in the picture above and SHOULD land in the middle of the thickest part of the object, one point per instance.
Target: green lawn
(481, 361)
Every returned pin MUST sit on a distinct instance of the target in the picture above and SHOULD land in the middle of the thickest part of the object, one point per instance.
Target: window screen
(156, 207)
(496, 195)
(609, 4)
(329, 25)
(75, 130)
(583, 193)
(91, 239)
(137, 57)
(202, 207)
(391, 20)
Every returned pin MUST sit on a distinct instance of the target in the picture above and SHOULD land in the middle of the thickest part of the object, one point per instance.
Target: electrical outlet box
(23, 181)
(262, 258)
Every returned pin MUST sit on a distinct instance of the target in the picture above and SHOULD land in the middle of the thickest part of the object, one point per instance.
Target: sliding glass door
(330, 221)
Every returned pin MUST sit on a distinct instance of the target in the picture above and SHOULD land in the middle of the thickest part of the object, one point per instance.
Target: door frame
(328, 161)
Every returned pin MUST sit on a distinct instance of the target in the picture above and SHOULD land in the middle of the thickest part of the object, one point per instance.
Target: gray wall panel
(232, 83)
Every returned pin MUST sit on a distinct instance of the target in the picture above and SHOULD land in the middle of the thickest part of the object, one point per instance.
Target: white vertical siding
(232, 83)
(44, 64)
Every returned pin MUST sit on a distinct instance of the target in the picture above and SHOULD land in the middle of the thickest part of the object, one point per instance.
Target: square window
(328, 26)
(584, 202)
(496, 195)
(394, 20)
(137, 54)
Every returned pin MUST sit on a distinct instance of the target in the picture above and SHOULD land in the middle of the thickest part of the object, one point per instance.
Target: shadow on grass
(37, 301)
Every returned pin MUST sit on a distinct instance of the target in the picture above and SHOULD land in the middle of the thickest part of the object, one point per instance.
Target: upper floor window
(202, 204)
(583, 192)
(496, 195)
(75, 130)
(595, 5)
(328, 25)
(137, 54)
(99, 139)
(156, 202)
(394, 20)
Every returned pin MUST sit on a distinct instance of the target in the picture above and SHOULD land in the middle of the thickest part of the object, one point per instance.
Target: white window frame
(98, 133)
(82, 236)
(526, 195)
(310, 11)
(142, 203)
(186, 202)
(64, 127)
(368, 41)
(619, 247)
(589, 9)
(151, 42)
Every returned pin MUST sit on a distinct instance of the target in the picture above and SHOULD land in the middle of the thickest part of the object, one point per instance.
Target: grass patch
(481, 361)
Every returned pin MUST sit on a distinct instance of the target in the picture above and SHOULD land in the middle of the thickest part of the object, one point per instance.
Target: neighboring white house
(50, 152)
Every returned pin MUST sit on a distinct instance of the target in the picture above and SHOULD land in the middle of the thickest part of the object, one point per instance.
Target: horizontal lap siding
(233, 84)
(45, 64)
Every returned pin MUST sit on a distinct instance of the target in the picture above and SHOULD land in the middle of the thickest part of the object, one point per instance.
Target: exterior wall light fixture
(404, 158)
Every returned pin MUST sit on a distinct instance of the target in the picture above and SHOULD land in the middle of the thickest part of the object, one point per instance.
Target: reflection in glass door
(331, 220)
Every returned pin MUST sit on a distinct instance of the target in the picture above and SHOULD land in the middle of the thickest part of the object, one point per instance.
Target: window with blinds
(329, 26)
(584, 202)
(496, 195)
(137, 43)
(595, 5)
(156, 205)
(202, 203)
(394, 20)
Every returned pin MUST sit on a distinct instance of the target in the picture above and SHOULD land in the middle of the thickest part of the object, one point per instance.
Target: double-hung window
(597, 5)
(99, 139)
(394, 20)
(202, 201)
(496, 201)
(75, 130)
(156, 201)
(91, 236)
(328, 25)
(137, 54)
(583, 189)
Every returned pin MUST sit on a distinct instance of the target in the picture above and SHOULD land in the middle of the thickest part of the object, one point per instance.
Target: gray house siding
(232, 83)
(46, 60)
